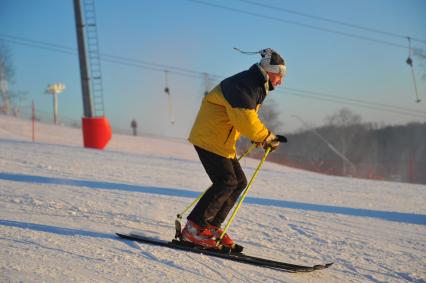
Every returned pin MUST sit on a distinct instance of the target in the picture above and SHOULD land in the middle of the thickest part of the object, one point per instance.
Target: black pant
(228, 182)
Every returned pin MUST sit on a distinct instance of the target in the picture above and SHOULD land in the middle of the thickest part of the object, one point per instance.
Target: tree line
(345, 146)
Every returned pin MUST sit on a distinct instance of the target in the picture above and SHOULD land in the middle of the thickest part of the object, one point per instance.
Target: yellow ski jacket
(231, 109)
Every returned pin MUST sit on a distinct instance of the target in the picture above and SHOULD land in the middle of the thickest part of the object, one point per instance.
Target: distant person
(134, 126)
(227, 111)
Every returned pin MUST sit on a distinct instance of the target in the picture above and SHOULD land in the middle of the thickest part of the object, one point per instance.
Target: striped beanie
(272, 62)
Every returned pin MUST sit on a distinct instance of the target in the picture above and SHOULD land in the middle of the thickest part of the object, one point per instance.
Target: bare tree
(344, 129)
(7, 74)
(343, 118)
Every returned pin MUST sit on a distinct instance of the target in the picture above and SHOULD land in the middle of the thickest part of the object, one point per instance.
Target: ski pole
(253, 145)
(201, 195)
(279, 138)
(179, 215)
(243, 195)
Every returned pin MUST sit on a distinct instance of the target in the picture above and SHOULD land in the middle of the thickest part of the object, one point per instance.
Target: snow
(60, 205)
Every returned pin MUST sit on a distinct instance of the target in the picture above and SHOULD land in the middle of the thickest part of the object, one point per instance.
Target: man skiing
(227, 111)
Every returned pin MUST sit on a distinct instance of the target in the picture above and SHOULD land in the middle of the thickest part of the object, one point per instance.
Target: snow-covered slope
(60, 205)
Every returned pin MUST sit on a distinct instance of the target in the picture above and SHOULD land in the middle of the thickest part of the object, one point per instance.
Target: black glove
(271, 142)
(281, 138)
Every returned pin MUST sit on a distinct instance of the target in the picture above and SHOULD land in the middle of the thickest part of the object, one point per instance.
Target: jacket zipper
(229, 134)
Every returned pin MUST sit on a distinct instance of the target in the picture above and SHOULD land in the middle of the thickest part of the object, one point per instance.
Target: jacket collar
(262, 76)
(260, 73)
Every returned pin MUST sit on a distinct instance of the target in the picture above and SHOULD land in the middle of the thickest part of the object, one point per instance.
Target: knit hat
(272, 62)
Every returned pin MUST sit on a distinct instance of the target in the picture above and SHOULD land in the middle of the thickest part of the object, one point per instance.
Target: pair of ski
(239, 257)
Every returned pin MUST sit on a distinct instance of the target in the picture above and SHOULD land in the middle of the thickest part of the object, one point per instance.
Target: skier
(227, 111)
(134, 125)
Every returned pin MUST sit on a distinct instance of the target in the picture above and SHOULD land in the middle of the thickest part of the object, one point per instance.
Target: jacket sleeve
(247, 122)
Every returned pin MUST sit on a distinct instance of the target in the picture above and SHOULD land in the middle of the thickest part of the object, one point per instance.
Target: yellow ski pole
(178, 226)
(243, 196)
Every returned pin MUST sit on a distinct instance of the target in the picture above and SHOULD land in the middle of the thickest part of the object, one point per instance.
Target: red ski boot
(199, 236)
(226, 240)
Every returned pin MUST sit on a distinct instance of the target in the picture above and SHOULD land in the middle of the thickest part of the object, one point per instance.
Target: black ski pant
(228, 182)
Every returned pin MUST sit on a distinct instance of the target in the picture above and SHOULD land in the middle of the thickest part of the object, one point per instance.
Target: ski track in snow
(60, 205)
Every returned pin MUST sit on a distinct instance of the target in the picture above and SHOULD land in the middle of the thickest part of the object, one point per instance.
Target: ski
(239, 257)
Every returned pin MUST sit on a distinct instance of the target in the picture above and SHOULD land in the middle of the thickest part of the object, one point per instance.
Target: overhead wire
(29, 44)
(352, 100)
(106, 57)
(201, 75)
(272, 18)
(275, 8)
(404, 112)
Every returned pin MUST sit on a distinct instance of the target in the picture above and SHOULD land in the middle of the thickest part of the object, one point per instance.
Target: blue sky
(199, 36)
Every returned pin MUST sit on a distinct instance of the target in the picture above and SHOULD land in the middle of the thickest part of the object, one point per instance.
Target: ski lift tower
(54, 90)
(96, 128)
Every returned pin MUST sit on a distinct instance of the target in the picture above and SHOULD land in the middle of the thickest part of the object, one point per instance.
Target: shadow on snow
(410, 218)
(55, 230)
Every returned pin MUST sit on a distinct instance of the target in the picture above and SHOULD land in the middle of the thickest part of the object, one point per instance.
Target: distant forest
(347, 147)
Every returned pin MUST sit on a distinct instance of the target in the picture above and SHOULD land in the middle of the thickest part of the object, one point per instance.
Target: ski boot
(226, 240)
(199, 236)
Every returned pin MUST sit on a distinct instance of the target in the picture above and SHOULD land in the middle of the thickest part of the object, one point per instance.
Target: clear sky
(330, 65)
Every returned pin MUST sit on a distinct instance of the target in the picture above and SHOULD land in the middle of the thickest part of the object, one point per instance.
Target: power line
(140, 65)
(330, 20)
(299, 24)
(107, 57)
(342, 101)
(142, 62)
(359, 101)
(50, 48)
(201, 75)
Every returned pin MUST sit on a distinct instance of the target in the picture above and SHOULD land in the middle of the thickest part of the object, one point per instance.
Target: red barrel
(96, 132)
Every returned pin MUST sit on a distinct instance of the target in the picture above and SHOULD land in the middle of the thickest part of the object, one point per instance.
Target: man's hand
(273, 141)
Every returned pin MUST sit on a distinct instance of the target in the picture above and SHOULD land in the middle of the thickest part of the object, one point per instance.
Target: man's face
(275, 79)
